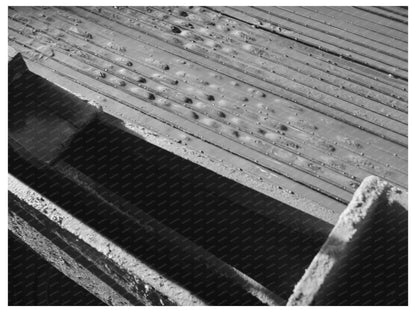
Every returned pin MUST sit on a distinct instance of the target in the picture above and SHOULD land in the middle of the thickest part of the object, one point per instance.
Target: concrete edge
(154, 285)
(367, 197)
(63, 261)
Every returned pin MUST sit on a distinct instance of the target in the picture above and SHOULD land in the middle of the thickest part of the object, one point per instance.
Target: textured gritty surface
(38, 135)
(97, 248)
(60, 260)
(219, 223)
(310, 100)
(123, 164)
(298, 103)
(364, 260)
(34, 281)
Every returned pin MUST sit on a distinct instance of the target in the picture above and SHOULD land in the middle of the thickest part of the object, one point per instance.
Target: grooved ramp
(299, 104)
(313, 101)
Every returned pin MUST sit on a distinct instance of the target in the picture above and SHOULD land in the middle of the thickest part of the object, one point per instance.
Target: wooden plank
(261, 17)
(198, 150)
(349, 38)
(266, 57)
(362, 23)
(388, 14)
(375, 207)
(300, 104)
(30, 207)
(335, 135)
(69, 266)
(360, 13)
(39, 144)
(340, 24)
(274, 48)
(402, 11)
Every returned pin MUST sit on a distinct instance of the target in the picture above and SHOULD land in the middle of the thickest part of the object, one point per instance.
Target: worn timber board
(299, 103)
(364, 260)
(92, 260)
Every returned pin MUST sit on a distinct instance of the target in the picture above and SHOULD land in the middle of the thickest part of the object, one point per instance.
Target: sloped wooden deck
(300, 103)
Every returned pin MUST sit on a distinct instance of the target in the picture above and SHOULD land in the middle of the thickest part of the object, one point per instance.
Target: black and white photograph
(218, 155)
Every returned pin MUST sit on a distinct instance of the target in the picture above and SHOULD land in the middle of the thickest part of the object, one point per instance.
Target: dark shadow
(125, 232)
(374, 271)
(175, 192)
(35, 282)
(186, 197)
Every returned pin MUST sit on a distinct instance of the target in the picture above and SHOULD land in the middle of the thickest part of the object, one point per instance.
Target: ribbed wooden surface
(315, 97)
